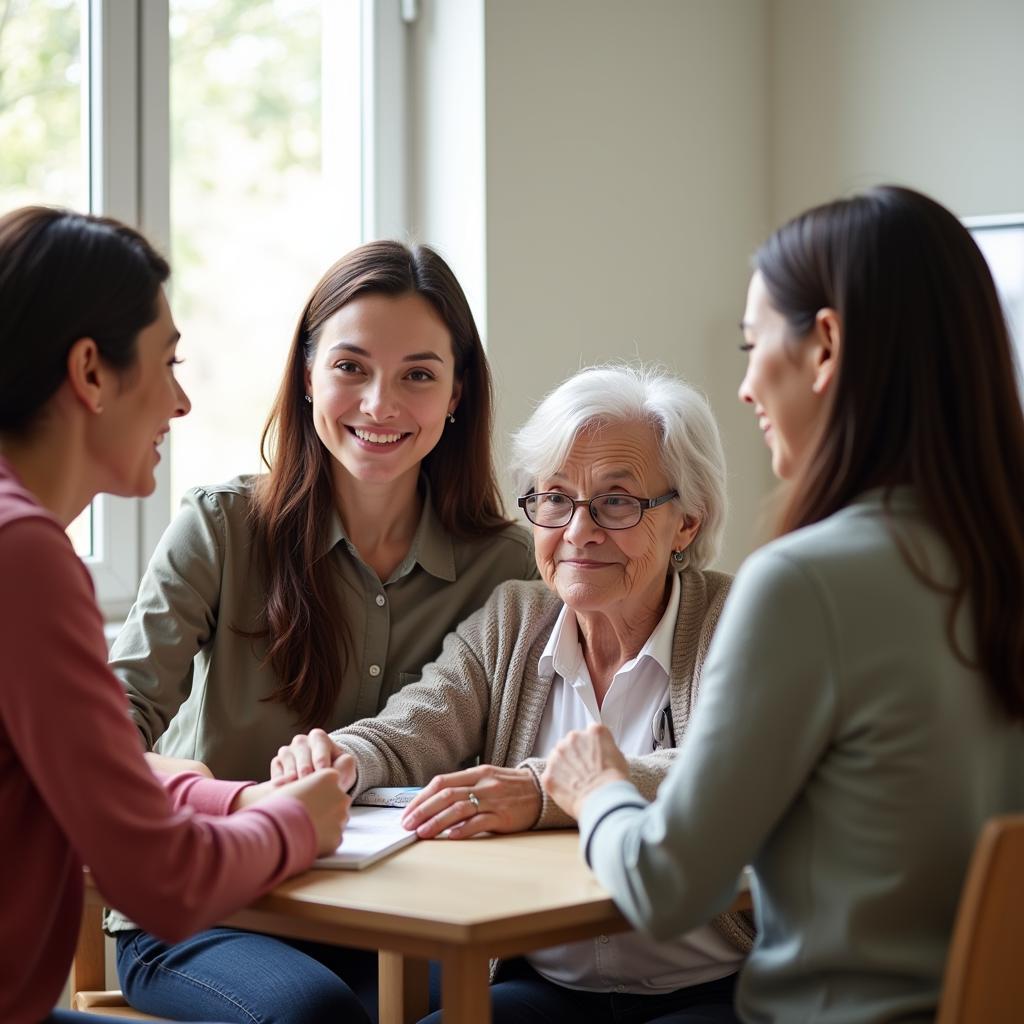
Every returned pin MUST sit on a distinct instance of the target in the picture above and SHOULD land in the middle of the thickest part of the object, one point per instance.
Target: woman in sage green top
(863, 697)
(306, 597)
(199, 686)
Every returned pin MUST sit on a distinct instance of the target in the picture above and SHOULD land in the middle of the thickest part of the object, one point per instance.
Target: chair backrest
(984, 978)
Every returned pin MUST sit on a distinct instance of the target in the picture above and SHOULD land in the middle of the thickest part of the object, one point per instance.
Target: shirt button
(604, 938)
(381, 601)
(375, 671)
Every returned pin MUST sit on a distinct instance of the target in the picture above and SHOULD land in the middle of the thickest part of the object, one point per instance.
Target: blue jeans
(520, 995)
(70, 1017)
(234, 976)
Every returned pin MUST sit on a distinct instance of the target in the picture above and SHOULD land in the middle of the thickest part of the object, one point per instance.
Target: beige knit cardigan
(484, 697)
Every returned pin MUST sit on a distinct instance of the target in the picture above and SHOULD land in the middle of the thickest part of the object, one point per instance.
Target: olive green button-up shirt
(197, 688)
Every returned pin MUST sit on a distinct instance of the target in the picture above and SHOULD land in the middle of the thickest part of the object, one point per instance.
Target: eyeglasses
(610, 511)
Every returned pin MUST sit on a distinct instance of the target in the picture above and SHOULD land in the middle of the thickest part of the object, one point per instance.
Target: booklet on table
(371, 833)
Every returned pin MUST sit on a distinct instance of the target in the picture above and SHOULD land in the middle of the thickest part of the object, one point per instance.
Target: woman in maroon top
(87, 393)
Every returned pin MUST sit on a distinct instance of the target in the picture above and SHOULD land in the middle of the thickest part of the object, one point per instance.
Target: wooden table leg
(465, 994)
(403, 987)
(88, 972)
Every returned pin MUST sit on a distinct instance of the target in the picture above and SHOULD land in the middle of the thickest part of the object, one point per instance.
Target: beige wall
(629, 155)
(928, 93)
(624, 188)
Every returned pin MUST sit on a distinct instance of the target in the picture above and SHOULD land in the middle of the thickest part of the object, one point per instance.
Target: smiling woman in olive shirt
(308, 596)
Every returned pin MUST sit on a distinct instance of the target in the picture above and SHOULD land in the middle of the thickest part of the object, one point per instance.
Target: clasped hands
(486, 798)
(506, 799)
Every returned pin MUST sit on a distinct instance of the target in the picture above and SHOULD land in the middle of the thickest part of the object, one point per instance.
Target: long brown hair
(294, 503)
(925, 394)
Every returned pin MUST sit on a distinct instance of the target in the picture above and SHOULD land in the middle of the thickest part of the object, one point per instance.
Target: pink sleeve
(208, 796)
(168, 868)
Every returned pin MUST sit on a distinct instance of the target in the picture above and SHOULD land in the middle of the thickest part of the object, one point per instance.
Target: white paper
(370, 834)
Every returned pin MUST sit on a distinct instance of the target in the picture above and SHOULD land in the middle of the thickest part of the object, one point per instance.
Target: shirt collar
(562, 652)
(431, 547)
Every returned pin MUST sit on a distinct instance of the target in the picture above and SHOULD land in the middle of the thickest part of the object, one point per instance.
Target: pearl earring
(451, 417)
(309, 398)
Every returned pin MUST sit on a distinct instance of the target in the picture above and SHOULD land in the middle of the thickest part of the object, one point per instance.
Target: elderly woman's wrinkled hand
(481, 799)
(582, 762)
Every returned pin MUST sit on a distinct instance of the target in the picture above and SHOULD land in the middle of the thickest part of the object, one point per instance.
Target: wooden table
(458, 902)
(461, 903)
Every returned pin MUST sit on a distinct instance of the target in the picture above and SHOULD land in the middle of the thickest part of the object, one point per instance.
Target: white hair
(691, 448)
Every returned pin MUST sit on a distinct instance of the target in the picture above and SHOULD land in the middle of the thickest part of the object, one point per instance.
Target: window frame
(979, 225)
(126, 49)
(127, 56)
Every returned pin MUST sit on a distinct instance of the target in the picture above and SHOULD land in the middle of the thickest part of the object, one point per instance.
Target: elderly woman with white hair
(623, 478)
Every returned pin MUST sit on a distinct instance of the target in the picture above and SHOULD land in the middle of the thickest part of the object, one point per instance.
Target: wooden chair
(88, 972)
(984, 978)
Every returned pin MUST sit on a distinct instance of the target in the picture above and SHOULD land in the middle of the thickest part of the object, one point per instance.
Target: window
(265, 195)
(1001, 240)
(42, 137)
(254, 141)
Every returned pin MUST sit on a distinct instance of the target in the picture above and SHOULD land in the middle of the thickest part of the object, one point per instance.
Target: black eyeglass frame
(646, 504)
